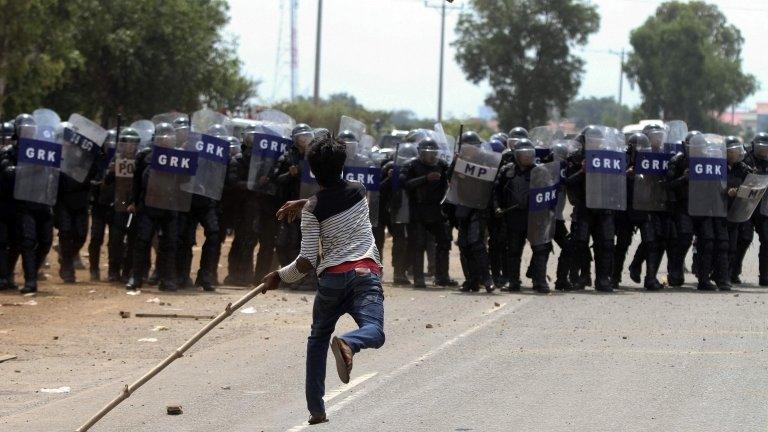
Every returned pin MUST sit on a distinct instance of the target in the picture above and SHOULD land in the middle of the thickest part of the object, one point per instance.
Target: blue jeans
(358, 293)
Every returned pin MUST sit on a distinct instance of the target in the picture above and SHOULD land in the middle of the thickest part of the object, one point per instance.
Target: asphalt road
(629, 361)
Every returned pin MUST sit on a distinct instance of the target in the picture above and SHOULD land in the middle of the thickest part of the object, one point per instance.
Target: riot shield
(146, 130)
(268, 145)
(81, 144)
(542, 137)
(366, 145)
(707, 176)
(209, 139)
(473, 177)
(172, 170)
(676, 131)
(399, 206)
(277, 117)
(606, 169)
(39, 161)
(542, 202)
(748, 197)
(445, 144)
(651, 163)
(168, 117)
(125, 165)
(355, 126)
(362, 168)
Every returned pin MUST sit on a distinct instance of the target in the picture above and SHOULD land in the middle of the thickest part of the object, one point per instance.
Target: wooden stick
(4, 358)
(173, 315)
(129, 389)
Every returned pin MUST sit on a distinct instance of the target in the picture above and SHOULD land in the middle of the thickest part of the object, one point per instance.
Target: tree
(524, 49)
(36, 51)
(97, 58)
(603, 110)
(686, 60)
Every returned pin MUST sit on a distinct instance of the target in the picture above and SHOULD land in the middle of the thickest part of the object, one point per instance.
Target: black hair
(326, 159)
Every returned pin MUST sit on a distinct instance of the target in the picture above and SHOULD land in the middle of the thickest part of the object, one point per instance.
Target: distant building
(750, 121)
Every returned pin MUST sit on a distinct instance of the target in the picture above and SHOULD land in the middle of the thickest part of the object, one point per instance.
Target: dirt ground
(81, 323)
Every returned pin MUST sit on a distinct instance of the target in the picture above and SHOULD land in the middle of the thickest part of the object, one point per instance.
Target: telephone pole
(317, 50)
(441, 67)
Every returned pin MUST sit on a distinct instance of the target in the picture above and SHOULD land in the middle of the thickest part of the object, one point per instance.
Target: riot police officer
(8, 238)
(102, 203)
(677, 180)
(151, 221)
(426, 180)
(586, 222)
(740, 235)
(759, 155)
(512, 199)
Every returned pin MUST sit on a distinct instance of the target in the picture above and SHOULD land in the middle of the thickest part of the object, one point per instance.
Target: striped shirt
(335, 228)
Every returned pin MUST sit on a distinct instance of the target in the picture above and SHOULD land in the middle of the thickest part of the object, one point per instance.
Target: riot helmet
(129, 135)
(217, 130)
(165, 135)
(471, 138)
(181, 121)
(182, 126)
(760, 146)
(688, 139)
(302, 136)
(416, 135)
(111, 138)
(656, 136)
(6, 132)
(735, 150)
(24, 126)
(525, 153)
(428, 151)
(497, 145)
(516, 134)
(561, 150)
(501, 136)
(235, 148)
(350, 140)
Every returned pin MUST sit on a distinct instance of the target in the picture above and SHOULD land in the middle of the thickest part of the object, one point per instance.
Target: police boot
(204, 280)
(514, 285)
(30, 287)
(95, 275)
(400, 278)
(78, 263)
(652, 284)
(419, 282)
(706, 285)
(133, 284)
(563, 285)
(445, 282)
(113, 276)
(168, 285)
(604, 284)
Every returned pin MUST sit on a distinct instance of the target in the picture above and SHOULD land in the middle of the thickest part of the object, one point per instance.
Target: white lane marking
(404, 368)
(339, 390)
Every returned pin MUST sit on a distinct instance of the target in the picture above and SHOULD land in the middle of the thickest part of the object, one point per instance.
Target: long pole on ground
(129, 389)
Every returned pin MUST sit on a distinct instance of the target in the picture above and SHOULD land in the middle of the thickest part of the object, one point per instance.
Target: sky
(386, 52)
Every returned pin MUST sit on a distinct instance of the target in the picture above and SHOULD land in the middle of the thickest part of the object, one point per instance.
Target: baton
(130, 219)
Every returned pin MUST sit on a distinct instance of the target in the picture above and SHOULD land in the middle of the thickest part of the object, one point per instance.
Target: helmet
(301, 127)
(760, 146)
(165, 135)
(560, 150)
(497, 145)
(181, 121)
(515, 135)
(656, 136)
(638, 140)
(525, 153)
(428, 151)
(501, 136)
(129, 135)
(59, 132)
(346, 136)
(111, 138)
(471, 138)
(735, 150)
(235, 148)
(6, 130)
(217, 130)
(690, 136)
(24, 126)
(416, 135)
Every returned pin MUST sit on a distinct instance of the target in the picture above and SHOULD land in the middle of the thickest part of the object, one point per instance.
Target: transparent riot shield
(651, 163)
(445, 144)
(748, 197)
(676, 131)
(606, 169)
(355, 126)
(473, 177)
(209, 139)
(146, 130)
(542, 203)
(81, 144)
(707, 176)
(362, 168)
(268, 145)
(399, 205)
(39, 161)
(542, 137)
(172, 168)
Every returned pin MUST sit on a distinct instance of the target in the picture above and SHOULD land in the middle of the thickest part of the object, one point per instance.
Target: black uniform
(148, 222)
(33, 225)
(71, 219)
(711, 234)
(512, 194)
(426, 216)
(740, 235)
(585, 222)
(102, 201)
(760, 223)
(8, 234)
(205, 212)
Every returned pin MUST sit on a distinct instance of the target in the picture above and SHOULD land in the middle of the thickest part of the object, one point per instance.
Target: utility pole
(621, 84)
(441, 67)
(317, 50)
(294, 49)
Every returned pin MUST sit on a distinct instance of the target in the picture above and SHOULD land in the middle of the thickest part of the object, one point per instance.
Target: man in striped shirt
(337, 243)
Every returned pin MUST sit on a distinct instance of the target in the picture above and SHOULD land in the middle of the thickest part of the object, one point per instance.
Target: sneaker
(133, 284)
